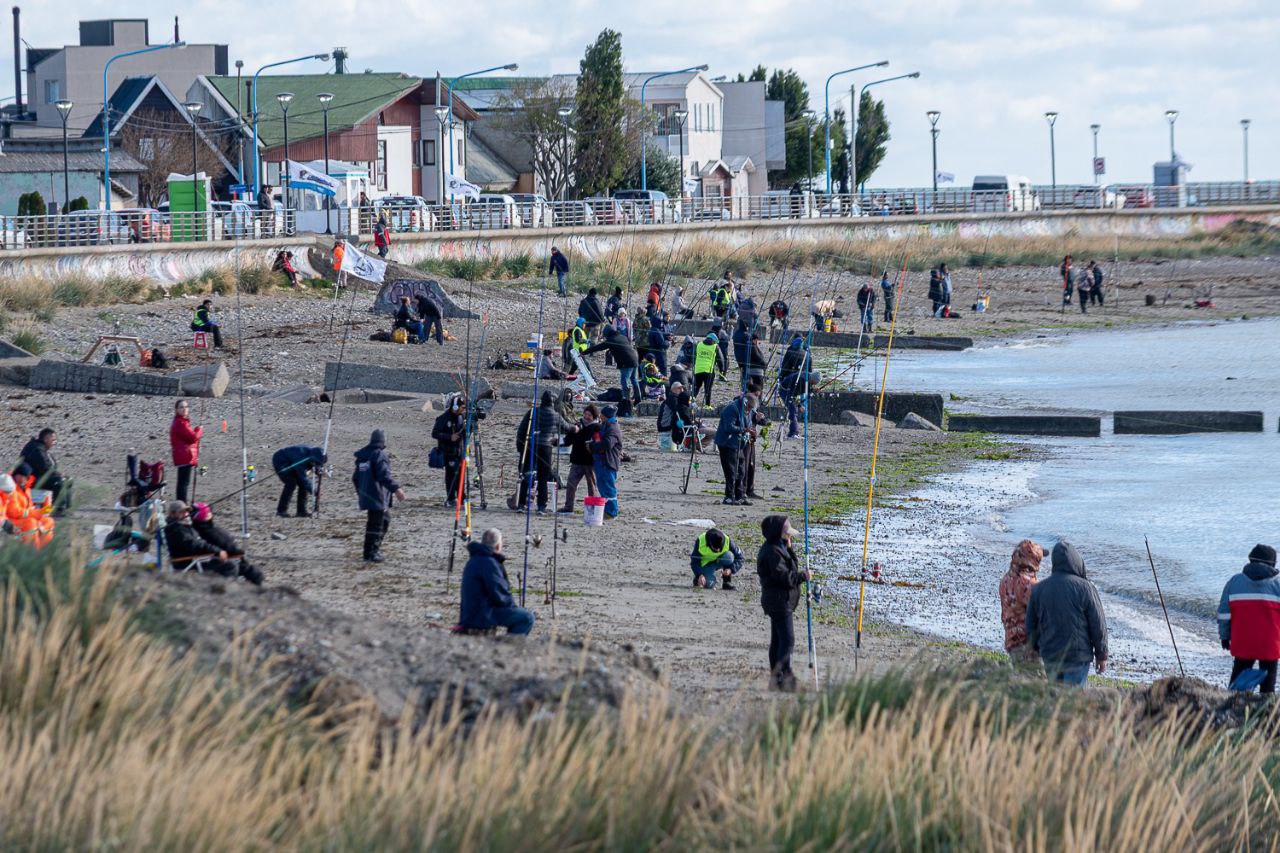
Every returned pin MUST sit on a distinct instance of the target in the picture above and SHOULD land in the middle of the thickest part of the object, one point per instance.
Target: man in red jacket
(185, 442)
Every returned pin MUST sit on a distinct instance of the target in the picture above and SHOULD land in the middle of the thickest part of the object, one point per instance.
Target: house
(754, 127)
(503, 158)
(35, 165)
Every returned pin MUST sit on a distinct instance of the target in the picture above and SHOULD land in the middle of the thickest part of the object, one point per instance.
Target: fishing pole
(808, 583)
(539, 353)
(244, 447)
(1160, 592)
(464, 493)
(875, 451)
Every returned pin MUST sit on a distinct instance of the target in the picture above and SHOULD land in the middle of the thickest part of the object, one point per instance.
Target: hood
(617, 291)
(688, 339)
(773, 526)
(711, 338)
(479, 549)
(1026, 558)
(1256, 571)
(797, 342)
(1067, 560)
(592, 292)
(377, 439)
(548, 399)
(21, 471)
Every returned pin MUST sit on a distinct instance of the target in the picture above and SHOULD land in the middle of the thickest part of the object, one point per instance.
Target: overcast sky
(992, 67)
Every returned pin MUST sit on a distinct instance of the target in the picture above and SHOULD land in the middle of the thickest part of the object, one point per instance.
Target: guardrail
(241, 221)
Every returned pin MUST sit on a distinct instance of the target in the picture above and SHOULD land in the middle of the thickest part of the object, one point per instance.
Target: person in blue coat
(732, 437)
(377, 491)
(487, 601)
(291, 465)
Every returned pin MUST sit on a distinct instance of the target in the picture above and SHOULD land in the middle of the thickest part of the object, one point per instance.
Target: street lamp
(1094, 165)
(644, 170)
(193, 110)
(933, 116)
(1244, 129)
(853, 111)
(64, 109)
(449, 88)
(106, 116)
(284, 98)
(826, 110)
(1172, 116)
(1052, 118)
(442, 118)
(324, 98)
(680, 116)
(564, 113)
(809, 116)
(257, 176)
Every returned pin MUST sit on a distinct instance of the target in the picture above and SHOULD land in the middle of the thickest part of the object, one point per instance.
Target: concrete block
(1067, 425)
(17, 371)
(293, 394)
(8, 350)
(826, 407)
(402, 379)
(937, 342)
(517, 390)
(914, 421)
(204, 380)
(74, 377)
(1179, 423)
(854, 419)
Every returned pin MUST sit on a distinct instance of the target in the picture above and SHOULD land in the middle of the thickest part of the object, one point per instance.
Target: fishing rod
(808, 583)
(244, 447)
(531, 440)
(464, 493)
(1160, 592)
(875, 451)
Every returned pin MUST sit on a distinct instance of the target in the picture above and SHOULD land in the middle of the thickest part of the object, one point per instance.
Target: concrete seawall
(1179, 423)
(1063, 425)
(825, 408)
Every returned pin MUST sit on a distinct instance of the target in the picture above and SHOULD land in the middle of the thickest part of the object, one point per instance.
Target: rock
(8, 350)
(914, 421)
(17, 371)
(855, 419)
(293, 394)
(205, 380)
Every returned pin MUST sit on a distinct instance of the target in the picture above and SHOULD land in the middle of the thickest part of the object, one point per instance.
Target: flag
(453, 185)
(944, 177)
(304, 177)
(360, 265)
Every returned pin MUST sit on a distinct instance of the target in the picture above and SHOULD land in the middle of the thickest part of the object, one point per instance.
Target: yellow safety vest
(579, 339)
(720, 297)
(704, 357)
(200, 319)
(708, 556)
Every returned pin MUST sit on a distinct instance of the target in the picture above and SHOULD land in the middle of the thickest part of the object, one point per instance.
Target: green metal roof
(355, 98)
(473, 84)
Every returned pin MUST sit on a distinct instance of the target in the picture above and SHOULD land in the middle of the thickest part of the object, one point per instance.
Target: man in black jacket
(291, 465)
(449, 431)
(538, 461)
(559, 265)
(432, 315)
(207, 529)
(186, 547)
(780, 579)
(377, 492)
(625, 356)
(581, 463)
(37, 453)
(1065, 621)
(793, 385)
(487, 601)
(589, 309)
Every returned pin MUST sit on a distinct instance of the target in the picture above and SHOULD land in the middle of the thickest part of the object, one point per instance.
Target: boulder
(8, 350)
(914, 421)
(854, 419)
(205, 380)
(17, 371)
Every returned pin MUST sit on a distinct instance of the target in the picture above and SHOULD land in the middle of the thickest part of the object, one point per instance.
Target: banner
(453, 185)
(304, 177)
(945, 177)
(360, 265)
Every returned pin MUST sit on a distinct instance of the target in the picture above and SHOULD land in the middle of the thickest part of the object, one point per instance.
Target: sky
(991, 67)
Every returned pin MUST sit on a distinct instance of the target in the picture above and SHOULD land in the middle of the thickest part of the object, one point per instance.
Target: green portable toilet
(188, 208)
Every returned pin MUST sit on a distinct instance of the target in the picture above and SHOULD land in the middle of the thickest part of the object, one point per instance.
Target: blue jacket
(296, 460)
(732, 431)
(372, 477)
(485, 587)
(559, 263)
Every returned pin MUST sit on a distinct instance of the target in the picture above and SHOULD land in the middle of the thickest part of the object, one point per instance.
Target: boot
(251, 573)
(302, 505)
(282, 505)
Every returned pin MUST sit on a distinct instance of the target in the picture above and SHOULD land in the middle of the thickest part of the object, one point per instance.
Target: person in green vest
(204, 322)
(714, 554)
(708, 360)
(720, 300)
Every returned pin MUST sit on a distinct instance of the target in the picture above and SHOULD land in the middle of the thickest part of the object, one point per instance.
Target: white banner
(305, 177)
(360, 265)
(453, 185)
(945, 177)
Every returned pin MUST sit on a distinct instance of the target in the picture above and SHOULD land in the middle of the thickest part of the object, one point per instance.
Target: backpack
(382, 336)
(158, 359)
(400, 336)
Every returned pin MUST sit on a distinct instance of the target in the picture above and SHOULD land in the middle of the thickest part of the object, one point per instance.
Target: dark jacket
(866, 297)
(298, 459)
(1065, 622)
(624, 353)
(404, 316)
(485, 587)
(184, 541)
(756, 359)
(741, 340)
(935, 287)
(580, 443)
(215, 536)
(589, 309)
(613, 306)
(657, 340)
(1249, 613)
(429, 306)
(39, 459)
(372, 477)
(778, 568)
(606, 446)
(559, 263)
(445, 427)
(734, 421)
(550, 426)
(795, 368)
(779, 309)
(1097, 276)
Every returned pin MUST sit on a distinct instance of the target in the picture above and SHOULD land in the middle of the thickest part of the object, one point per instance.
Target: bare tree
(530, 112)
(161, 141)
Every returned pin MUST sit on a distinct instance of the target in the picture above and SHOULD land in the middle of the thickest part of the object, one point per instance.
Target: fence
(241, 221)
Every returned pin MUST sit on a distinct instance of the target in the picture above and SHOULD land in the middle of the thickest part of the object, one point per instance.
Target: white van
(1003, 193)
(494, 211)
(784, 204)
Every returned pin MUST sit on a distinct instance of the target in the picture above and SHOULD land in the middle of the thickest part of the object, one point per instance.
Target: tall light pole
(1094, 128)
(193, 110)
(240, 119)
(324, 98)
(809, 116)
(1052, 118)
(826, 111)
(681, 116)
(1244, 129)
(442, 118)
(933, 116)
(449, 90)
(257, 170)
(1172, 116)
(284, 98)
(564, 113)
(853, 140)
(644, 148)
(64, 110)
(106, 117)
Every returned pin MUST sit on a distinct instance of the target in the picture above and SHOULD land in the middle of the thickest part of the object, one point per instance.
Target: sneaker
(303, 514)
(283, 515)
(742, 502)
(754, 496)
(373, 558)
(728, 502)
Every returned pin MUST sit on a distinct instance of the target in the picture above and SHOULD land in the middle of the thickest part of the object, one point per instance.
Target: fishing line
(531, 439)
(1160, 592)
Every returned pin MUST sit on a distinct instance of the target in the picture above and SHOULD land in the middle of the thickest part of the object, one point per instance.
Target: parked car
(405, 212)
(534, 210)
(234, 219)
(1003, 193)
(1097, 198)
(839, 206)
(608, 211)
(786, 204)
(93, 228)
(648, 206)
(1137, 195)
(494, 211)
(706, 210)
(573, 213)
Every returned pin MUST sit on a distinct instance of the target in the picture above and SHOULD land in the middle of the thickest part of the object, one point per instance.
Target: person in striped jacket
(1249, 617)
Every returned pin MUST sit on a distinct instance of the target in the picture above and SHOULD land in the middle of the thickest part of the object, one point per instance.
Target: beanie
(1263, 554)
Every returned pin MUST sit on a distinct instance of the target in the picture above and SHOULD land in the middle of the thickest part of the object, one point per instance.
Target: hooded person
(538, 461)
(780, 580)
(577, 339)
(487, 602)
(377, 491)
(1066, 624)
(1249, 620)
(793, 385)
(291, 465)
(1015, 594)
(590, 311)
(606, 452)
(614, 306)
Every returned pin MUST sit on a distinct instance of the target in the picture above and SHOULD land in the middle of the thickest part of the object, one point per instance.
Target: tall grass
(28, 339)
(108, 740)
(70, 291)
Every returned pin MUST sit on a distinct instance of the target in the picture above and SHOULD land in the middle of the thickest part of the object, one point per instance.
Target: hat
(688, 339)
(1263, 554)
(202, 512)
(581, 321)
(609, 412)
(6, 484)
(174, 507)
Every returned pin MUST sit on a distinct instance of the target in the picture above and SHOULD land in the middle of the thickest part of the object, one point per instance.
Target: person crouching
(714, 554)
(487, 601)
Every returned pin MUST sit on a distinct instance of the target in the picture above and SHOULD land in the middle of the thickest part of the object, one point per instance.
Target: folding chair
(584, 381)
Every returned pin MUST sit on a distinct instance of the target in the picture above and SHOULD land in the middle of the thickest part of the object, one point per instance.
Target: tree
(662, 172)
(161, 141)
(531, 112)
(32, 204)
(601, 147)
(788, 87)
(759, 73)
(872, 137)
(78, 203)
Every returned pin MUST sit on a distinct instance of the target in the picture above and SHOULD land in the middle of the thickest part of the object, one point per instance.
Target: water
(1204, 500)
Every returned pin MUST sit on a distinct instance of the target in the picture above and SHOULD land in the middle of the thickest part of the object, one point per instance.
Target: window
(460, 160)
(52, 91)
(146, 149)
(667, 124)
(428, 152)
(381, 167)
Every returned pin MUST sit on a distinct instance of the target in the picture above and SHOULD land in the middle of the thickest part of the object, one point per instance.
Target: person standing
(1084, 287)
(707, 362)
(886, 289)
(1066, 625)
(867, 306)
(581, 462)
(1095, 292)
(779, 313)
(538, 461)
(381, 237)
(291, 465)
(780, 579)
(377, 491)
(1249, 617)
(432, 314)
(450, 432)
(203, 322)
(624, 356)
(732, 436)
(559, 265)
(755, 419)
(945, 281)
(793, 386)
(591, 313)
(487, 601)
(1067, 276)
(658, 344)
(606, 451)
(184, 442)
(614, 305)
(1015, 594)
(935, 292)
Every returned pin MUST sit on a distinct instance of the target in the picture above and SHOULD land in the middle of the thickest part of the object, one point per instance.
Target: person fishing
(578, 340)
(779, 314)
(886, 290)
(377, 492)
(1066, 624)
(780, 578)
(1249, 621)
(292, 465)
(581, 462)
(606, 452)
(486, 599)
(715, 555)
(793, 386)
(935, 291)
(708, 360)
(721, 297)
(37, 453)
(449, 431)
(187, 547)
(867, 306)
(538, 460)
(203, 322)
(731, 439)
(1015, 595)
(624, 356)
(406, 320)
(184, 442)
(1067, 279)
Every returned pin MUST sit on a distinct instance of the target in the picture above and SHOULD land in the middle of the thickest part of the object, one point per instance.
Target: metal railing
(241, 221)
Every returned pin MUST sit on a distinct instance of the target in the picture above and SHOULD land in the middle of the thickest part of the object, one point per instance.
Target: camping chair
(179, 565)
(145, 482)
(583, 381)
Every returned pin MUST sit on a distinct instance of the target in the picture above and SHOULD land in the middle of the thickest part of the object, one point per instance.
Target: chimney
(17, 60)
(340, 60)
(176, 37)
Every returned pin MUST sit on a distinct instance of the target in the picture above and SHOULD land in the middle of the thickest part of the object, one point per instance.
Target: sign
(360, 265)
(944, 177)
(1099, 165)
(304, 177)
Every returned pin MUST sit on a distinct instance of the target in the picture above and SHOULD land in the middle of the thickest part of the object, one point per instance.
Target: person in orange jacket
(31, 521)
(184, 440)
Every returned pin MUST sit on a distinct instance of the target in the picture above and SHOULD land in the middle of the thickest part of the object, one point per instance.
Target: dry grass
(109, 741)
(38, 294)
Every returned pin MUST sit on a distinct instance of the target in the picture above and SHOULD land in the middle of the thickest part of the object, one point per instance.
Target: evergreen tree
(601, 153)
(872, 137)
(662, 172)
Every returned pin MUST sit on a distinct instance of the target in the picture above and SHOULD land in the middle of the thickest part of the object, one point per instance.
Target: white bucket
(593, 511)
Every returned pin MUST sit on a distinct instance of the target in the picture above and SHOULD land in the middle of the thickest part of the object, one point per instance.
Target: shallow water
(1204, 500)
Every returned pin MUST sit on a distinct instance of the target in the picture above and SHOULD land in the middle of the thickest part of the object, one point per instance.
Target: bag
(382, 336)
(612, 395)
(400, 336)
(435, 458)
(158, 359)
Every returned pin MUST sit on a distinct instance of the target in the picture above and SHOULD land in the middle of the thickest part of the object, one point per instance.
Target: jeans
(888, 306)
(1075, 676)
(706, 381)
(869, 318)
(782, 639)
(630, 381)
(1084, 300)
(793, 409)
(516, 620)
(665, 442)
(731, 459)
(560, 283)
(607, 483)
(185, 475)
(1268, 666)
(432, 323)
(578, 473)
(375, 530)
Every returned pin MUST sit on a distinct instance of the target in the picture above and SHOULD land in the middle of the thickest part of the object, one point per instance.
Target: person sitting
(487, 602)
(284, 264)
(679, 307)
(38, 457)
(203, 322)
(203, 524)
(407, 321)
(29, 521)
(577, 339)
(714, 554)
(432, 314)
(654, 383)
(291, 465)
(187, 549)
